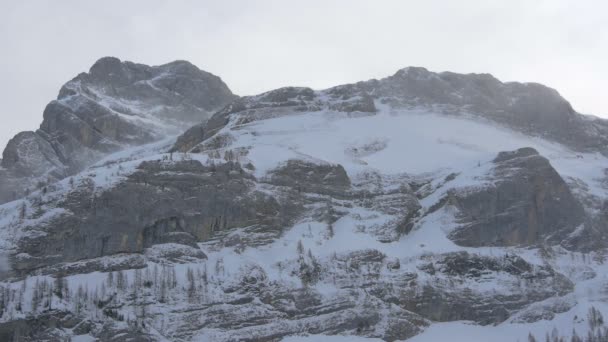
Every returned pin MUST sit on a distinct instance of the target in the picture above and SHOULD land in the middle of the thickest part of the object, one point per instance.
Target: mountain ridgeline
(154, 204)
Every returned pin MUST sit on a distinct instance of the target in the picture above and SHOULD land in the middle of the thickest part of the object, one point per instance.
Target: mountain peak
(180, 66)
(105, 64)
(412, 71)
(115, 105)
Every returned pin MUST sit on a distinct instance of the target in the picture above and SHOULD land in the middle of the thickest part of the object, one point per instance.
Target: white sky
(260, 45)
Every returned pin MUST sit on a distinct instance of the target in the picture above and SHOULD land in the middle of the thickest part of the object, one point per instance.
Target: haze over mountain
(153, 204)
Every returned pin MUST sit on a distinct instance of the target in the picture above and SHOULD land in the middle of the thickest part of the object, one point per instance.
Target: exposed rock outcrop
(452, 300)
(526, 203)
(162, 202)
(309, 177)
(57, 325)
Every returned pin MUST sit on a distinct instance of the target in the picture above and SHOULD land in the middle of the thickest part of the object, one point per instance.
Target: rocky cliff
(114, 106)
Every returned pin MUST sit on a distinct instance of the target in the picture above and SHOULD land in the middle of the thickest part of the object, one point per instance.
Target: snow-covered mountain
(424, 205)
(114, 106)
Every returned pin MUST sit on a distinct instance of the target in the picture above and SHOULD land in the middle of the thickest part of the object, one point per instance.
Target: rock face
(54, 325)
(309, 177)
(160, 203)
(527, 203)
(29, 154)
(113, 106)
(593, 235)
(398, 304)
(172, 202)
(452, 301)
(176, 92)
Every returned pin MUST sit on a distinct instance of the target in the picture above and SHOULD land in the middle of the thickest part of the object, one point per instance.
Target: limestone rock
(527, 203)
(309, 177)
(162, 203)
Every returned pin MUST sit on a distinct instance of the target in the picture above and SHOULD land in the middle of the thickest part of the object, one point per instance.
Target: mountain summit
(114, 106)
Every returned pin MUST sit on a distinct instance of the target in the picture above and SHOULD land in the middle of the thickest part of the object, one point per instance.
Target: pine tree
(205, 277)
(330, 230)
(60, 286)
(191, 285)
(2, 301)
(228, 156)
(103, 291)
(138, 283)
(50, 291)
(36, 296)
(120, 281)
(555, 334)
(575, 337)
(199, 276)
(162, 297)
(595, 318)
(110, 279)
(155, 276)
(330, 212)
(300, 248)
(219, 267)
(79, 299)
(143, 314)
(147, 278)
(19, 303)
(22, 211)
(173, 277)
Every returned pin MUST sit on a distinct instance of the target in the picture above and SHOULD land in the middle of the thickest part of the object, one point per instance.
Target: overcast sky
(256, 46)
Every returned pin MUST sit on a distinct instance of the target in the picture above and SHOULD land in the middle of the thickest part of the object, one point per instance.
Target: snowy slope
(415, 142)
